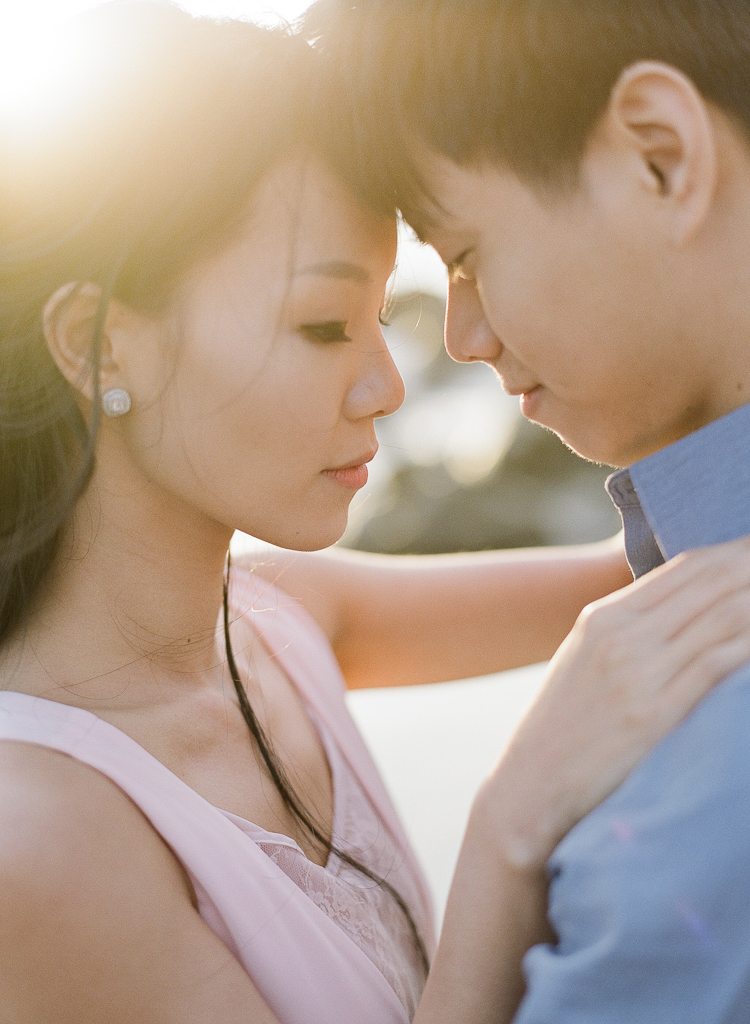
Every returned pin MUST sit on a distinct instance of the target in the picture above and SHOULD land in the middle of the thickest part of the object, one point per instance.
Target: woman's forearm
(496, 912)
(395, 620)
(430, 619)
(633, 666)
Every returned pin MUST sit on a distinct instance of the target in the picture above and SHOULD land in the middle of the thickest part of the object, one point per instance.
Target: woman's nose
(379, 389)
(468, 336)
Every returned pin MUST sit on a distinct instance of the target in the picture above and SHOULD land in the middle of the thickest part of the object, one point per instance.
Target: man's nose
(468, 336)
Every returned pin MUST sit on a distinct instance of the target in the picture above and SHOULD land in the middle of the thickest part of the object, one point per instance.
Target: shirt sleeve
(650, 894)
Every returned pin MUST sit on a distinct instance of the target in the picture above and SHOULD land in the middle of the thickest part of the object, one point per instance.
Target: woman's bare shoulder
(56, 807)
(98, 923)
(69, 829)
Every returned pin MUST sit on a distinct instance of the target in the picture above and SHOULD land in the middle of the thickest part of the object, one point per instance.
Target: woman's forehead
(313, 209)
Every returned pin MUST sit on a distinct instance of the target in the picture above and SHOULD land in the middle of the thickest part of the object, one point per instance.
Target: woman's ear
(661, 123)
(70, 318)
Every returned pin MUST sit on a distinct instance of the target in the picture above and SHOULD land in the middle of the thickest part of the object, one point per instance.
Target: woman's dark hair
(139, 159)
(520, 83)
(145, 157)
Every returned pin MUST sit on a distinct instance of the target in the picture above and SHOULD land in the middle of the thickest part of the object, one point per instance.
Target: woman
(192, 828)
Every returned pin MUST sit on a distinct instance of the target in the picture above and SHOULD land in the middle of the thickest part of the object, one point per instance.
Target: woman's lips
(354, 477)
(352, 474)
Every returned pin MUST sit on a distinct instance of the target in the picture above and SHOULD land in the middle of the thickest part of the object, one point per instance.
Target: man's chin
(588, 445)
(607, 440)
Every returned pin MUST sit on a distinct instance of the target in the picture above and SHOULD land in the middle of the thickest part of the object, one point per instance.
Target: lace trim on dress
(366, 912)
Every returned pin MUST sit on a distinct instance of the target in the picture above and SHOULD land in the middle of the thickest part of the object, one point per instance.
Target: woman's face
(254, 399)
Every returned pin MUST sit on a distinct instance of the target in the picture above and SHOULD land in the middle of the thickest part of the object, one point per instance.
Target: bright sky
(19, 16)
(23, 24)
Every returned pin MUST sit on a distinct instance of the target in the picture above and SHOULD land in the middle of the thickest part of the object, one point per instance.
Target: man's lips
(517, 391)
(529, 394)
(530, 401)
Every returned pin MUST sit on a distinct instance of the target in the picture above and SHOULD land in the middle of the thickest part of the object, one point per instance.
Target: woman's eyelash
(328, 330)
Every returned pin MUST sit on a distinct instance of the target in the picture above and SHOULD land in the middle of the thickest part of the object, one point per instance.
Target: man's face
(578, 300)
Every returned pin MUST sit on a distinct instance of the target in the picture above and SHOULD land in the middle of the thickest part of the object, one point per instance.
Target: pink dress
(323, 945)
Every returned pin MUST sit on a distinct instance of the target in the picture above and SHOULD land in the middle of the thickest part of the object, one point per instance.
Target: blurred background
(459, 469)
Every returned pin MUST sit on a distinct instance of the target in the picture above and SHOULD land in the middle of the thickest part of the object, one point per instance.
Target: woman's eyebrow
(338, 268)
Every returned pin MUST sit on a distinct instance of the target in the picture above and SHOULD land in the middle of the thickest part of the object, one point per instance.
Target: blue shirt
(650, 893)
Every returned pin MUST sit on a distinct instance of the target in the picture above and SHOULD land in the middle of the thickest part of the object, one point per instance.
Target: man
(583, 168)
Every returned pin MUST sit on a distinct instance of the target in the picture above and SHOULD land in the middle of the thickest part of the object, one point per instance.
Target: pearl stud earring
(116, 402)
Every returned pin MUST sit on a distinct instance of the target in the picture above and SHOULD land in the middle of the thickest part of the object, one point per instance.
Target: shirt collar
(693, 493)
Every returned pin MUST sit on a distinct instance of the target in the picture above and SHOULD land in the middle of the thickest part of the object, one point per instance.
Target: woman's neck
(132, 606)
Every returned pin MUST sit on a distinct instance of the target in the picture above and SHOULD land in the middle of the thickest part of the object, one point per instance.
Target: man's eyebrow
(338, 268)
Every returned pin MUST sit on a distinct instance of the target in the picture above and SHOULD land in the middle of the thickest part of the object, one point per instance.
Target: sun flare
(37, 76)
(40, 66)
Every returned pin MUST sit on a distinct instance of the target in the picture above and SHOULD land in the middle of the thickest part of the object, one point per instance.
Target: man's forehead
(432, 208)
(452, 197)
(440, 231)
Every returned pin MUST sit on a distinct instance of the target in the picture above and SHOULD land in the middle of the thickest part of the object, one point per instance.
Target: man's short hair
(520, 83)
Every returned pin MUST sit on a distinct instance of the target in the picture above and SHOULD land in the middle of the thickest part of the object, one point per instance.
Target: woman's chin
(305, 536)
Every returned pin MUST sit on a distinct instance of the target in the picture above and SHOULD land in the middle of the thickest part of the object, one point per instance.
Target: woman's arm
(632, 668)
(394, 620)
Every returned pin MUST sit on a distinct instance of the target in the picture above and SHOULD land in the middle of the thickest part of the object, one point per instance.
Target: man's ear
(69, 318)
(658, 117)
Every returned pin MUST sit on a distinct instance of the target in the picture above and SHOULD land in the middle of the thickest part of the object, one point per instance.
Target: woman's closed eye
(326, 330)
